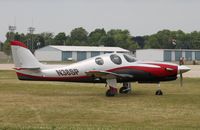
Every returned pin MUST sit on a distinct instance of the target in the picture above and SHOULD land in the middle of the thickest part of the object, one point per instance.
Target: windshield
(129, 58)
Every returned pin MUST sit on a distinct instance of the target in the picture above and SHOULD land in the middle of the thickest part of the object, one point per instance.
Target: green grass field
(59, 105)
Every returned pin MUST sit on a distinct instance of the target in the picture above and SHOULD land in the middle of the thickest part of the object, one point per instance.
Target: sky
(140, 17)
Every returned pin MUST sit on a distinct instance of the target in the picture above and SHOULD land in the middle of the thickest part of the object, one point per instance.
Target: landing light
(169, 69)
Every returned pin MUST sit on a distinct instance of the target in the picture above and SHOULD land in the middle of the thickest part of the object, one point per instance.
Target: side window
(99, 61)
(116, 59)
(129, 58)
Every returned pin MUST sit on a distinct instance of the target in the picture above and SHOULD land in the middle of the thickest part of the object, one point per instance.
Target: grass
(58, 105)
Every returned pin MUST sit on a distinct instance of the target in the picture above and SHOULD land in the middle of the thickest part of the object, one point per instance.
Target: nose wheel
(159, 91)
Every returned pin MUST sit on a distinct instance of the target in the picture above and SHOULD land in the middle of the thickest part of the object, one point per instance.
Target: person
(181, 61)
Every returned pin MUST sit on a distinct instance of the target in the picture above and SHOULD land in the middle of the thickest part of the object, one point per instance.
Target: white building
(167, 54)
(75, 53)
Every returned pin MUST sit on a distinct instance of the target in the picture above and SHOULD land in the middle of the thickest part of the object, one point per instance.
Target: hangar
(75, 53)
(168, 54)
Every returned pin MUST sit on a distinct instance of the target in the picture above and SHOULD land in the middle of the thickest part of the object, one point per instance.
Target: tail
(23, 58)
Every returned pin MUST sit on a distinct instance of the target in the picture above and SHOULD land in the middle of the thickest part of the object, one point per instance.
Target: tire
(123, 90)
(109, 93)
(159, 92)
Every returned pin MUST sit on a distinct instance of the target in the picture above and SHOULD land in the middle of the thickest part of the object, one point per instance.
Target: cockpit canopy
(116, 59)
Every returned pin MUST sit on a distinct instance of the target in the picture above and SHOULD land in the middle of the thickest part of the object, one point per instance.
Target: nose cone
(183, 69)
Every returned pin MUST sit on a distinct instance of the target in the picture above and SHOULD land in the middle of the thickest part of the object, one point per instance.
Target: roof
(89, 48)
(169, 49)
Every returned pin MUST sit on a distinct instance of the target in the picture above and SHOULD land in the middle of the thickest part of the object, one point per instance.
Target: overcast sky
(140, 17)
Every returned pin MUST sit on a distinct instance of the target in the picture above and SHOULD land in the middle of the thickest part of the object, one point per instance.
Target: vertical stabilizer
(22, 56)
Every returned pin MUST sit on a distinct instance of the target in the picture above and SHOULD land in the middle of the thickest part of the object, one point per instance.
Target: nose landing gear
(159, 91)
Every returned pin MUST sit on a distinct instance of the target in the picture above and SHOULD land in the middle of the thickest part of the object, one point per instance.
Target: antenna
(12, 29)
(31, 31)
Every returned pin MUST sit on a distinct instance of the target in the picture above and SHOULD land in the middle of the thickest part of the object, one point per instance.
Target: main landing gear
(159, 91)
(126, 88)
(112, 91)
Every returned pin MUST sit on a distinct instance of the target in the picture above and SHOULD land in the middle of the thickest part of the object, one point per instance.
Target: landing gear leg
(126, 88)
(112, 91)
(159, 91)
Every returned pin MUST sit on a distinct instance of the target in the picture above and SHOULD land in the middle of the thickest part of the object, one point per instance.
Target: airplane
(109, 68)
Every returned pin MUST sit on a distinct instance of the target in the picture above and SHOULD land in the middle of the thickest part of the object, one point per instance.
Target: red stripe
(17, 43)
(160, 72)
(52, 78)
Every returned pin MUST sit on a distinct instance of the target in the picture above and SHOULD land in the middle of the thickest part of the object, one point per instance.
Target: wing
(107, 75)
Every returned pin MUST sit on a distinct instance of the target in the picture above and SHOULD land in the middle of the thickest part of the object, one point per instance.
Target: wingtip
(18, 43)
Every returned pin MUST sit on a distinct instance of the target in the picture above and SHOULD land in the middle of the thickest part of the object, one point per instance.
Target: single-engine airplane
(109, 68)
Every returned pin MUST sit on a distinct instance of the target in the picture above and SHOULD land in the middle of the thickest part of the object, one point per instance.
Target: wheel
(111, 92)
(124, 90)
(159, 92)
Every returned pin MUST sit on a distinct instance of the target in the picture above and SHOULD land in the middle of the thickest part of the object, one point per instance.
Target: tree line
(164, 39)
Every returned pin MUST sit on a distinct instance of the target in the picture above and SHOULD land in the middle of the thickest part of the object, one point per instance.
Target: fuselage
(141, 71)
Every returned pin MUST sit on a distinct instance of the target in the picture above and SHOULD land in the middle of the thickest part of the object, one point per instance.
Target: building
(167, 54)
(75, 53)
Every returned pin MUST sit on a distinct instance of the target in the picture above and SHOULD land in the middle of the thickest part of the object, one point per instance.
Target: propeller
(182, 69)
(181, 79)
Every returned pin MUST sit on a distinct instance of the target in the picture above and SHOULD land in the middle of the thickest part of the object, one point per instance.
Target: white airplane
(110, 69)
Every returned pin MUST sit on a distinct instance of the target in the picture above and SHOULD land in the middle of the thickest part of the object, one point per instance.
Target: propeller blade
(181, 79)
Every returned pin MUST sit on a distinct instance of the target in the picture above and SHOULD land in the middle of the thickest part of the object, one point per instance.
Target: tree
(107, 41)
(39, 41)
(1, 46)
(140, 40)
(78, 36)
(48, 38)
(122, 38)
(7, 48)
(152, 42)
(60, 39)
(194, 38)
(96, 36)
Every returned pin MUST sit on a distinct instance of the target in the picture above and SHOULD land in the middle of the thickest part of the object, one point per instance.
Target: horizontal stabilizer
(27, 68)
